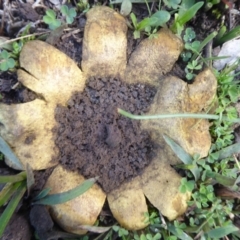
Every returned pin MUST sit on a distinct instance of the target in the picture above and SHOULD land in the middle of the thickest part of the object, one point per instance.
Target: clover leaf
(69, 13)
(50, 19)
(6, 62)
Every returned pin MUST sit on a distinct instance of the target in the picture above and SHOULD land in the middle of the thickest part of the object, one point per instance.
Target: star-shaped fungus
(74, 125)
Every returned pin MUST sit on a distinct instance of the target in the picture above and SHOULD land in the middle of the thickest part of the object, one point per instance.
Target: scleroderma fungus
(54, 77)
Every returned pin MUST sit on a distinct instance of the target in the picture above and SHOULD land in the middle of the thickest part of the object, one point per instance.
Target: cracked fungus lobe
(95, 140)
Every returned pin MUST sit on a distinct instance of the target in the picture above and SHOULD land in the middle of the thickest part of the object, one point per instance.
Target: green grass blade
(229, 151)
(179, 233)
(176, 115)
(68, 195)
(13, 178)
(9, 210)
(204, 43)
(220, 34)
(225, 181)
(7, 151)
(186, 158)
(227, 36)
(186, 16)
(42, 194)
(221, 232)
(179, 151)
(189, 13)
(5, 192)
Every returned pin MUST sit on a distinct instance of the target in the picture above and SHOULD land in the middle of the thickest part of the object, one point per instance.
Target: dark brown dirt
(95, 140)
(11, 91)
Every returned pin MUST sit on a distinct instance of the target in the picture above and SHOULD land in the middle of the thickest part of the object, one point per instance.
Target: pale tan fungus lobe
(191, 134)
(153, 58)
(128, 205)
(82, 210)
(27, 128)
(104, 43)
(49, 72)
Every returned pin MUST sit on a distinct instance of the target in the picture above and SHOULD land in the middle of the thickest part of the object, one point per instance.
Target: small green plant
(10, 55)
(68, 13)
(209, 213)
(224, 36)
(51, 19)
(228, 92)
(150, 24)
(6, 61)
(83, 6)
(174, 4)
(53, 22)
(210, 3)
(192, 52)
(186, 12)
(186, 186)
(122, 232)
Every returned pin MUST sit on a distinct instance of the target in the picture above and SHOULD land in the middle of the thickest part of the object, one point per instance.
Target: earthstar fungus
(54, 77)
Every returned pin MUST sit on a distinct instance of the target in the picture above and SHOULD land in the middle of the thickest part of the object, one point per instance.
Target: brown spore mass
(97, 141)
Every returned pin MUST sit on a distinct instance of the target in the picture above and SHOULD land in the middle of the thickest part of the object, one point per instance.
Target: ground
(103, 130)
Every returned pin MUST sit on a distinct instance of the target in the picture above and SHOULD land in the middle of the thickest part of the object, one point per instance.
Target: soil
(104, 137)
(95, 140)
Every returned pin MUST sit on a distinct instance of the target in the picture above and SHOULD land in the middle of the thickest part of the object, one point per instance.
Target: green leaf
(233, 93)
(143, 24)
(179, 151)
(136, 34)
(64, 10)
(7, 192)
(229, 151)
(9, 210)
(47, 19)
(225, 181)
(221, 232)
(126, 7)
(4, 55)
(134, 20)
(55, 24)
(190, 185)
(3, 66)
(159, 18)
(184, 16)
(201, 45)
(13, 178)
(50, 19)
(178, 233)
(72, 12)
(172, 3)
(189, 13)
(51, 14)
(11, 63)
(189, 35)
(235, 32)
(68, 195)
(184, 157)
(13, 161)
(42, 194)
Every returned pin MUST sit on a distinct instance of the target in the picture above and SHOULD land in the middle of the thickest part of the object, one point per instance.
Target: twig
(22, 37)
